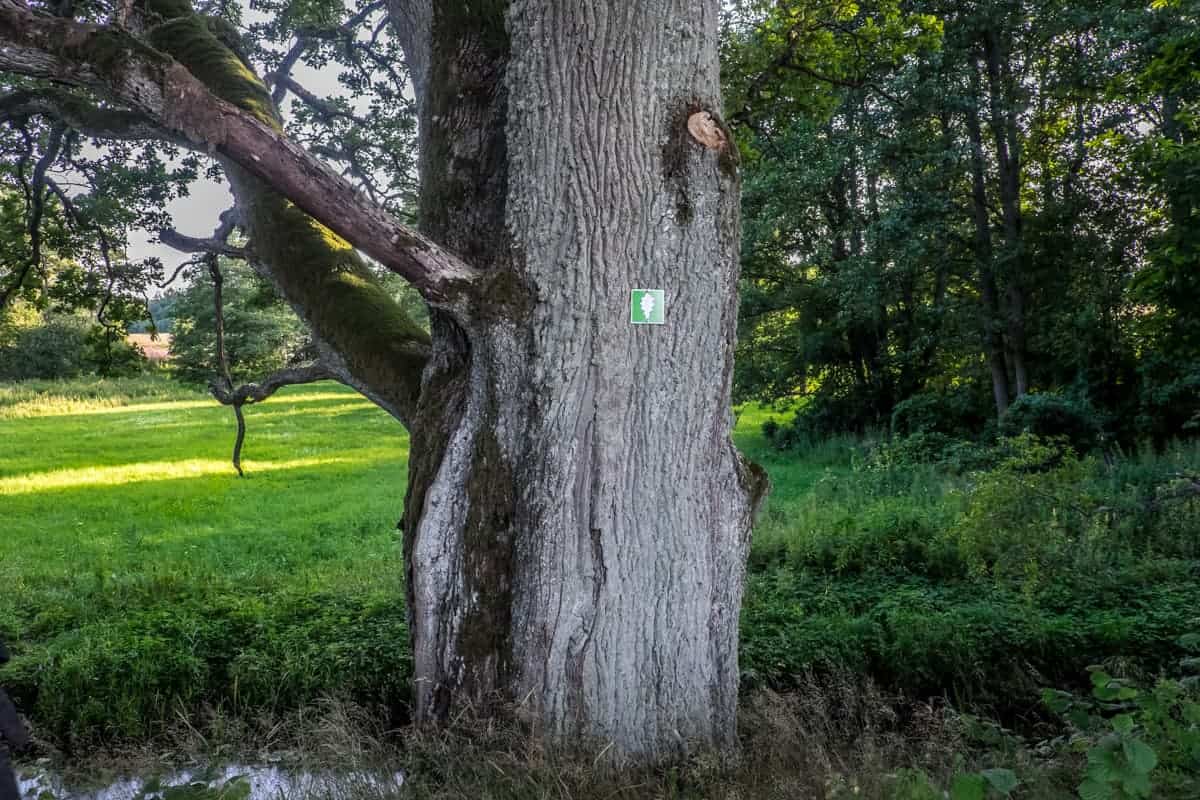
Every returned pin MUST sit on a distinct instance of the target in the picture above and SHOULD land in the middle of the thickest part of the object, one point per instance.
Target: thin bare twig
(218, 280)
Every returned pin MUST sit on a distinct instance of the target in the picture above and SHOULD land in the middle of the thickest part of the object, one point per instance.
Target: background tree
(975, 198)
(262, 335)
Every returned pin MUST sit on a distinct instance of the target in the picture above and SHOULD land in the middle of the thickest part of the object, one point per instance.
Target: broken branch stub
(705, 130)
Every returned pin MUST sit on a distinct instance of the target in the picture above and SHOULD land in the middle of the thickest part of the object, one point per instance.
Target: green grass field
(124, 532)
(144, 583)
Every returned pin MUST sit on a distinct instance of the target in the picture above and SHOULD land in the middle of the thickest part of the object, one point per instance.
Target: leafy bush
(124, 677)
(953, 415)
(1049, 415)
(51, 349)
(826, 415)
(1170, 400)
(36, 346)
(1138, 742)
(945, 452)
(111, 355)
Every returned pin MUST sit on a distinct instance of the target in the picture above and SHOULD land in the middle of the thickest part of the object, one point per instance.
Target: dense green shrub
(53, 348)
(125, 677)
(825, 415)
(954, 415)
(111, 355)
(1139, 742)
(1050, 415)
(36, 346)
(933, 448)
(1170, 401)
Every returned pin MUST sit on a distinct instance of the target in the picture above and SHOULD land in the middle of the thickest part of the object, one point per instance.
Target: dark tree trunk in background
(993, 339)
(1002, 120)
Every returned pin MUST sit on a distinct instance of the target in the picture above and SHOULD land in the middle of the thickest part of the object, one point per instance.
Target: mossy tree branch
(225, 112)
(185, 77)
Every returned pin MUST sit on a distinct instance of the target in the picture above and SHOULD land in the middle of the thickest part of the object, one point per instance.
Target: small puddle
(231, 782)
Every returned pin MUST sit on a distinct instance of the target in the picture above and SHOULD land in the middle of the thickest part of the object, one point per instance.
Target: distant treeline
(970, 202)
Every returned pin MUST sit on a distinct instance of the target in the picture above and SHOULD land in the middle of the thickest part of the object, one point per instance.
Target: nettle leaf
(1137, 785)
(1140, 756)
(1057, 700)
(1094, 790)
(1004, 781)
(1123, 723)
(968, 787)
(1103, 763)
(1080, 718)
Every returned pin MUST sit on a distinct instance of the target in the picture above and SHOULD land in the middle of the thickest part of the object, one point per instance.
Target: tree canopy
(988, 198)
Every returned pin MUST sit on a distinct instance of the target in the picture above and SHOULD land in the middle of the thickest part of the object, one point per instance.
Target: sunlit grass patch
(50, 398)
(147, 471)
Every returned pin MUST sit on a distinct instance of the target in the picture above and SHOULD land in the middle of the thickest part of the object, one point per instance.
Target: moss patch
(487, 556)
(480, 20)
(191, 42)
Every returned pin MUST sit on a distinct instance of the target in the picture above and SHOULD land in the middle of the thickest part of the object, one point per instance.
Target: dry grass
(157, 347)
(834, 738)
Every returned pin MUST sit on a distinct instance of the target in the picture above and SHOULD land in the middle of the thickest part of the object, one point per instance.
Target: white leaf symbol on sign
(647, 305)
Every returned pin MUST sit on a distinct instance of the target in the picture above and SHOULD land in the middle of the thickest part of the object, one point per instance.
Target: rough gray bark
(578, 518)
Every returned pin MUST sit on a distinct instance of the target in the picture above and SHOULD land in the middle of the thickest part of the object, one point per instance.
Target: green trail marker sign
(647, 307)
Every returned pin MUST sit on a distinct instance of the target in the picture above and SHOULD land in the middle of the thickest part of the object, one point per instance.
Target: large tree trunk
(578, 519)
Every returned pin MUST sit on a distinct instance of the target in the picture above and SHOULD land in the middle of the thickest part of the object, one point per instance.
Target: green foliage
(1138, 743)
(51, 348)
(110, 355)
(826, 415)
(162, 315)
(869, 251)
(916, 784)
(979, 580)
(1049, 416)
(261, 333)
(36, 346)
(938, 449)
(997, 782)
(951, 414)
